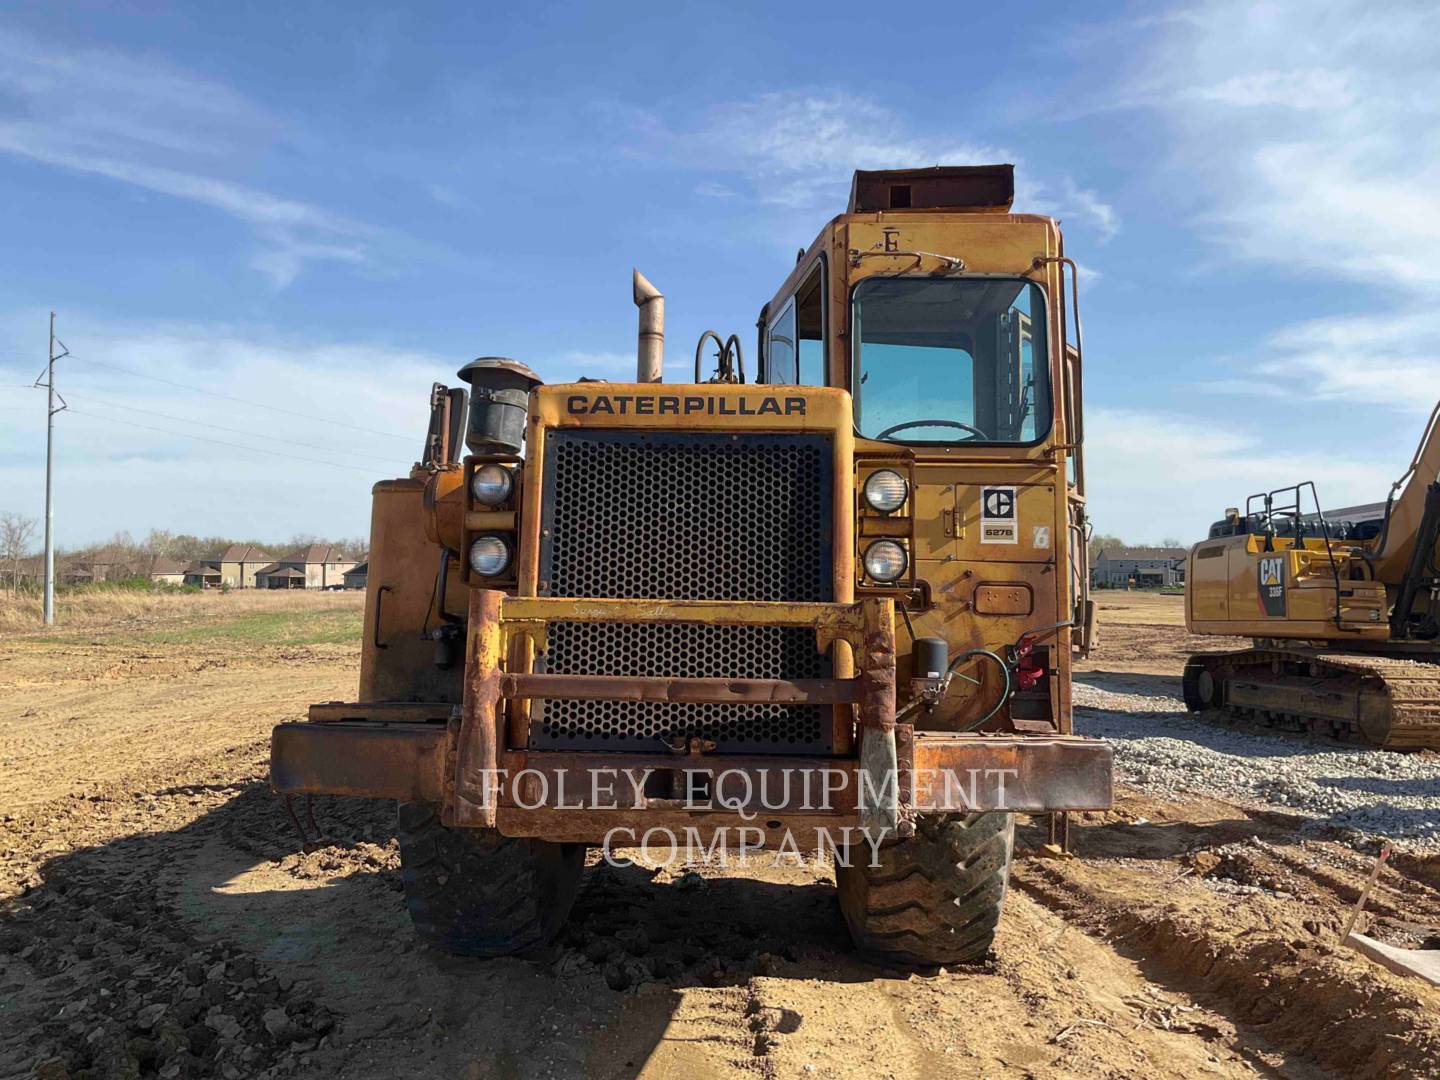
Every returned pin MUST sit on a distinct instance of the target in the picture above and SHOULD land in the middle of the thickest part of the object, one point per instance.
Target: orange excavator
(1344, 614)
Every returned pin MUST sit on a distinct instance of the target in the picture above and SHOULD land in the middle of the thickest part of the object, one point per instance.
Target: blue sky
(326, 208)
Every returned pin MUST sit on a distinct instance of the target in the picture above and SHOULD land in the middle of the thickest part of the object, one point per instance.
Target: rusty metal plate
(1017, 773)
(405, 762)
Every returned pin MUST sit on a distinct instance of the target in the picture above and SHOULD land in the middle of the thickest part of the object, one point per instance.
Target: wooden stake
(1365, 892)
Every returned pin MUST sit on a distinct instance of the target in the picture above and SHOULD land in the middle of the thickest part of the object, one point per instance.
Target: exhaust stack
(651, 346)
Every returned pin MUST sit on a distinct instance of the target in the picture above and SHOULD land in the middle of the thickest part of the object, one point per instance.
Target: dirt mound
(1265, 950)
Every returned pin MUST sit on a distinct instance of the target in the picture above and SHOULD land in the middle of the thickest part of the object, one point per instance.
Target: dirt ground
(158, 920)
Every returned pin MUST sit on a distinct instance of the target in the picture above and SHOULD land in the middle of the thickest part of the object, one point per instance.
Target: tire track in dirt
(1051, 1003)
(73, 719)
(732, 974)
(1259, 959)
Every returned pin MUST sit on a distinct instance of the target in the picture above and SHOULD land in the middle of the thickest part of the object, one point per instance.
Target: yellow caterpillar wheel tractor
(1345, 615)
(830, 607)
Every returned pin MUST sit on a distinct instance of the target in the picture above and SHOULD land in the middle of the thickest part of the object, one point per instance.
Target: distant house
(163, 571)
(357, 577)
(76, 574)
(109, 568)
(201, 573)
(1138, 567)
(317, 566)
(238, 565)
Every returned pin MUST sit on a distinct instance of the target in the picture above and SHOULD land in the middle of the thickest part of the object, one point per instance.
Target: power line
(243, 401)
(219, 427)
(219, 442)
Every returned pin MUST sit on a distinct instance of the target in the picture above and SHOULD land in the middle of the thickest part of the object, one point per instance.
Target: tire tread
(936, 896)
(473, 892)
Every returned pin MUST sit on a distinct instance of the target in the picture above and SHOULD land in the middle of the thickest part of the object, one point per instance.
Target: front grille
(685, 516)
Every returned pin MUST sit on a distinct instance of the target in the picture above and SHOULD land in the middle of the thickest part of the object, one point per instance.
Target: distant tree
(1170, 541)
(16, 533)
(1101, 541)
(122, 550)
(160, 542)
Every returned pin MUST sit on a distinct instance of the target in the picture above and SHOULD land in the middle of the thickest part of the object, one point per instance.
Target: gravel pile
(1161, 749)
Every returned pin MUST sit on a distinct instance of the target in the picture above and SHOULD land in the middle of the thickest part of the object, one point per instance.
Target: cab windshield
(948, 360)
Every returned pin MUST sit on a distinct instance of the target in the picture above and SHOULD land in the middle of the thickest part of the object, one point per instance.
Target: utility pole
(50, 411)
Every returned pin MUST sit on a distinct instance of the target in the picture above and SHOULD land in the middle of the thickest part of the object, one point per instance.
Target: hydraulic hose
(1004, 673)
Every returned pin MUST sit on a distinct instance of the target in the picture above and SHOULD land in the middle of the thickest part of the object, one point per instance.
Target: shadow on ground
(217, 949)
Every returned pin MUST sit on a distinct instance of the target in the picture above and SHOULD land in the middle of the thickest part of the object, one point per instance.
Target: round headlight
(885, 560)
(492, 484)
(489, 556)
(886, 490)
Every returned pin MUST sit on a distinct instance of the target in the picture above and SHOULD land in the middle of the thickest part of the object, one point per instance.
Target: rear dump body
(689, 634)
(1324, 658)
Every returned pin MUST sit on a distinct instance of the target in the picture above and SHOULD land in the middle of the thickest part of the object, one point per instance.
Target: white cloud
(1156, 474)
(137, 453)
(445, 195)
(796, 150)
(797, 147)
(141, 122)
(712, 190)
(1310, 129)
(1290, 89)
(1306, 137)
(1391, 360)
(1088, 205)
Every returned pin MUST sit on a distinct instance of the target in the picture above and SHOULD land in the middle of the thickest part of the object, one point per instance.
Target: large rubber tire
(474, 892)
(935, 897)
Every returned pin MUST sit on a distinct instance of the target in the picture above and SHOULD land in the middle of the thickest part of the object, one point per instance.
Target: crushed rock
(1162, 749)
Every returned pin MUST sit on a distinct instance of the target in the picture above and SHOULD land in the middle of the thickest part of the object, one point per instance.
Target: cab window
(795, 338)
(946, 360)
(780, 347)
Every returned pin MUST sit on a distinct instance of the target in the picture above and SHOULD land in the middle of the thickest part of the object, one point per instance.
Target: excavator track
(1391, 703)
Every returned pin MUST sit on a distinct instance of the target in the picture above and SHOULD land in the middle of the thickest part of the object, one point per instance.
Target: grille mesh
(685, 516)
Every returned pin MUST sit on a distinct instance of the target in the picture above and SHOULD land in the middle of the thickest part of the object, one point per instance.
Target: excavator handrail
(1269, 501)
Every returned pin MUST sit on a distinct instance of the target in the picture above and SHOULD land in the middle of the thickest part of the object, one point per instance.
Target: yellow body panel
(1000, 244)
(972, 581)
(396, 662)
(1246, 586)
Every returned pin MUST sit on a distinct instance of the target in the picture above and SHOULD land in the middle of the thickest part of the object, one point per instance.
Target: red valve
(1028, 669)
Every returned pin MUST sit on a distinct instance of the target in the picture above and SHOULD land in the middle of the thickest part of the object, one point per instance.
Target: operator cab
(931, 354)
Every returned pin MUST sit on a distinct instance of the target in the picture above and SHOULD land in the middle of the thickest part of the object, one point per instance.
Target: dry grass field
(159, 920)
(114, 610)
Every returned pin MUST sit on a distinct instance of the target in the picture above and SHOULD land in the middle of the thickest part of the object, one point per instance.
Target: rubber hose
(1004, 671)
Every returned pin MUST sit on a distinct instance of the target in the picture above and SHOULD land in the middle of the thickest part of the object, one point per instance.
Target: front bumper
(473, 761)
